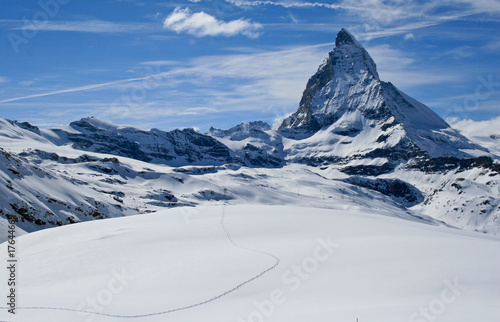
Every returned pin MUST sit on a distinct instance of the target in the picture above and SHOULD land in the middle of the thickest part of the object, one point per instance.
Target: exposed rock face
(348, 58)
(242, 131)
(254, 143)
(178, 147)
(401, 191)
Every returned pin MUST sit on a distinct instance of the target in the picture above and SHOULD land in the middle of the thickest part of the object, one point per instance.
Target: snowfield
(364, 205)
(257, 263)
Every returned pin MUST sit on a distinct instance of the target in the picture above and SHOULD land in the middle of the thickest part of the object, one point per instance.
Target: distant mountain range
(353, 131)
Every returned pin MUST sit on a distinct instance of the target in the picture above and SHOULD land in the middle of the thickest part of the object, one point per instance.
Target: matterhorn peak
(347, 65)
(346, 101)
(344, 37)
(351, 57)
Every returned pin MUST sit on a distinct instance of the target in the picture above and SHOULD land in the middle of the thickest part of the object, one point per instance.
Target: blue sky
(202, 63)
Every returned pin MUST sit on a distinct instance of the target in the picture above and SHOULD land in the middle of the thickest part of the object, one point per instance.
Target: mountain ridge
(351, 133)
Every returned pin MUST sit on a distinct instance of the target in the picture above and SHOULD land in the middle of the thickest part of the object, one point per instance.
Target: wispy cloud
(285, 4)
(90, 26)
(74, 89)
(376, 18)
(384, 10)
(478, 6)
(272, 81)
(201, 24)
(26, 82)
(159, 63)
(401, 69)
(378, 31)
(493, 46)
(460, 52)
(253, 81)
(3, 79)
(267, 82)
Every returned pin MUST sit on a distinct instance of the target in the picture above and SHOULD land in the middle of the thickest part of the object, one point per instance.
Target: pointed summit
(344, 37)
(349, 63)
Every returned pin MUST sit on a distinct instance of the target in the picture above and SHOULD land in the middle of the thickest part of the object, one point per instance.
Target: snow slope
(45, 183)
(218, 264)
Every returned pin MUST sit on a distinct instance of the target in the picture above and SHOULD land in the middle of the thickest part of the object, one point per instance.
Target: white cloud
(409, 36)
(485, 133)
(476, 128)
(201, 24)
(3, 79)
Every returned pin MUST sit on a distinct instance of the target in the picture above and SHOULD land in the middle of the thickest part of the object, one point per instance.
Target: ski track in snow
(228, 235)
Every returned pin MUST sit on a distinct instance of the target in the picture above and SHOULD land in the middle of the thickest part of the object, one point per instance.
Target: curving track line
(277, 261)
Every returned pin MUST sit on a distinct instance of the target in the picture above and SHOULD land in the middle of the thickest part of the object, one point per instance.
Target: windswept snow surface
(334, 265)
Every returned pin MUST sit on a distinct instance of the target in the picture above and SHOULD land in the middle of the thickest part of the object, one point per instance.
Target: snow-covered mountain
(348, 113)
(253, 142)
(353, 137)
(177, 147)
